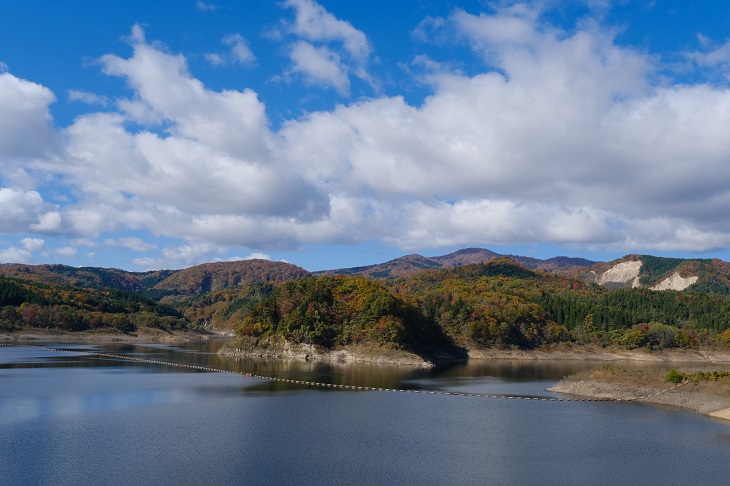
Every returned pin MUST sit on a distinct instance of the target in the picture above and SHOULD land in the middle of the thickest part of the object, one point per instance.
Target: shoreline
(610, 381)
(370, 353)
(283, 350)
(650, 386)
(588, 353)
(143, 336)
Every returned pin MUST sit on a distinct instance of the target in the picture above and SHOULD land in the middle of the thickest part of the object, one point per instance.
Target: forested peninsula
(430, 310)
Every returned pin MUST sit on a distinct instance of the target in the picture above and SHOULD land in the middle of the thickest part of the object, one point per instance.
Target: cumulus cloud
(239, 52)
(25, 120)
(14, 254)
(315, 23)
(320, 66)
(215, 156)
(32, 244)
(341, 49)
(180, 256)
(560, 137)
(22, 210)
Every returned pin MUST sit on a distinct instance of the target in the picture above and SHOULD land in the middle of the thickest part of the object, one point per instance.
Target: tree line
(495, 304)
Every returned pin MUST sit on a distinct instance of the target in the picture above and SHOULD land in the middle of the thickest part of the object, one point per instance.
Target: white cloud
(22, 210)
(182, 256)
(15, 255)
(320, 66)
(131, 243)
(216, 60)
(252, 256)
(49, 222)
(25, 120)
(87, 97)
(218, 157)
(716, 59)
(32, 244)
(562, 138)
(315, 23)
(239, 52)
(66, 251)
(340, 49)
(565, 141)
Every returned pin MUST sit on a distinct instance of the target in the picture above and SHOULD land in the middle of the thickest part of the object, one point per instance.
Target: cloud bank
(562, 137)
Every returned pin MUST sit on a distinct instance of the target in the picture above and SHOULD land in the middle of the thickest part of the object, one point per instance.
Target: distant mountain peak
(413, 263)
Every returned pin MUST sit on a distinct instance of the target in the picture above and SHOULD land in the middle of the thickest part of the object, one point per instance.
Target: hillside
(210, 277)
(499, 303)
(659, 273)
(631, 271)
(85, 277)
(494, 304)
(193, 280)
(32, 304)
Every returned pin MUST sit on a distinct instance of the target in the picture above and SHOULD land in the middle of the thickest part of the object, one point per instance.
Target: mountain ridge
(414, 263)
(632, 270)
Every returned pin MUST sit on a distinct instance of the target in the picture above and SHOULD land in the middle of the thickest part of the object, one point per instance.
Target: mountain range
(658, 273)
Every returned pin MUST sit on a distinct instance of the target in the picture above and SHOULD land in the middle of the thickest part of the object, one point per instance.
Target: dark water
(76, 419)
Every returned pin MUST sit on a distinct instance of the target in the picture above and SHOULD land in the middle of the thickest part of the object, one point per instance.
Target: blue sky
(163, 134)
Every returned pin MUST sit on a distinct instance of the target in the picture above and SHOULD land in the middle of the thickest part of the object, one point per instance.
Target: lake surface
(76, 419)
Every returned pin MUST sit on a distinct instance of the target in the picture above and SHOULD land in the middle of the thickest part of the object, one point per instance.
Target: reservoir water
(78, 419)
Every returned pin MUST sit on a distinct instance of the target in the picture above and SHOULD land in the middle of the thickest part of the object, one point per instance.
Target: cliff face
(657, 273)
(676, 282)
(626, 273)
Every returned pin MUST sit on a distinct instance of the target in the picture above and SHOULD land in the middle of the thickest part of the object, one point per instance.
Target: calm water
(75, 419)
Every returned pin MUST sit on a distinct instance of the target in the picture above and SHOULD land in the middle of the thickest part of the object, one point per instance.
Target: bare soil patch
(649, 385)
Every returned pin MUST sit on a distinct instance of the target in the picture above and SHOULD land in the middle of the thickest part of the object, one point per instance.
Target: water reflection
(81, 419)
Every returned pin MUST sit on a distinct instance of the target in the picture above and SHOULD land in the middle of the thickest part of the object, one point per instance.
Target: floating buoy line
(331, 385)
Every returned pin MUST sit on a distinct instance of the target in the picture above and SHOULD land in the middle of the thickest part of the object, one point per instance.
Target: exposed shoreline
(371, 353)
(142, 336)
(589, 353)
(284, 350)
(615, 382)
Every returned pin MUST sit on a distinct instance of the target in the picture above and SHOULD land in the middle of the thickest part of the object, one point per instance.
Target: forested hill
(659, 273)
(221, 275)
(27, 304)
(85, 277)
(498, 303)
(696, 275)
(194, 280)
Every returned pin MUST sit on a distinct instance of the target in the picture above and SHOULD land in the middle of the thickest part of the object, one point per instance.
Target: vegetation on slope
(210, 277)
(336, 310)
(86, 277)
(28, 304)
(494, 304)
(502, 304)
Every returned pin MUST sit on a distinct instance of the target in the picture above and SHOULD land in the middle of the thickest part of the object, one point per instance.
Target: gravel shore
(649, 385)
(142, 336)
